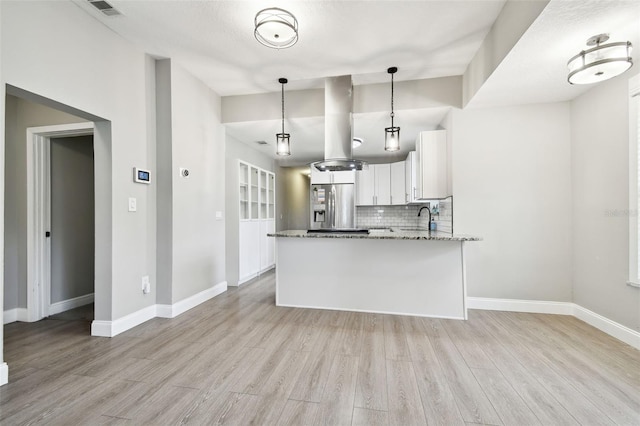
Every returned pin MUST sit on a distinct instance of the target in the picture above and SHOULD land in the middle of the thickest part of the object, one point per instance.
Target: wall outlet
(146, 286)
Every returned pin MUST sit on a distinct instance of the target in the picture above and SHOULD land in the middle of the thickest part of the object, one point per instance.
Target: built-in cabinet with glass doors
(257, 219)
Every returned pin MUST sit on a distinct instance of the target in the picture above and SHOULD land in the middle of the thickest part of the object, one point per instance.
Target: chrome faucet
(429, 210)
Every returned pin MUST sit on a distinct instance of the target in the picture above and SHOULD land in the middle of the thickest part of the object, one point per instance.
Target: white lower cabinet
(257, 251)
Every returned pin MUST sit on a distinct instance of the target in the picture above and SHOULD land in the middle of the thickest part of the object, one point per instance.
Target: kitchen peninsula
(394, 271)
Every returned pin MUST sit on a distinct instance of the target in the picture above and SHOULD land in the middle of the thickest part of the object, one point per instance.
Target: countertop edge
(395, 235)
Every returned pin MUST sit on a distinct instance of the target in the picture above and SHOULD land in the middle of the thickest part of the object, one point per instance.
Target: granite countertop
(380, 234)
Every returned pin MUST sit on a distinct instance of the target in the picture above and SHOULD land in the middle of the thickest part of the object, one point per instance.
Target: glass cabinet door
(244, 191)
(263, 194)
(271, 196)
(254, 193)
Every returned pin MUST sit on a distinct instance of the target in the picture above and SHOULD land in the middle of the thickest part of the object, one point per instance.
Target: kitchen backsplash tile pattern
(404, 216)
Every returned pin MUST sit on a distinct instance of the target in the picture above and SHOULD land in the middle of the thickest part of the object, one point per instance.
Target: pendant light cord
(283, 108)
(392, 114)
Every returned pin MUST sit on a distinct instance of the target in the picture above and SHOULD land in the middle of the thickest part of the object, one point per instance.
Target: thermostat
(141, 175)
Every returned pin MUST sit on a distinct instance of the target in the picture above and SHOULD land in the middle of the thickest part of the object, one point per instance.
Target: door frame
(39, 212)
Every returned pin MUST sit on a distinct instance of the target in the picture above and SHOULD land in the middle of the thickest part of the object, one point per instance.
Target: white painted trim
(324, 308)
(113, 328)
(15, 314)
(65, 305)
(612, 328)
(4, 373)
(633, 284)
(172, 311)
(253, 276)
(516, 305)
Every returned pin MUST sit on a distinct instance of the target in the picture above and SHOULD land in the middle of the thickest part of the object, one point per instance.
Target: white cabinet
(411, 178)
(373, 185)
(256, 220)
(318, 177)
(431, 160)
(398, 190)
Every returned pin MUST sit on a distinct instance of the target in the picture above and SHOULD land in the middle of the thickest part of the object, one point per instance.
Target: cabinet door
(254, 180)
(398, 192)
(271, 244)
(243, 179)
(318, 177)
(343, 177)
(365, 187)
(432, 164)
(410, 177)
(249, 253)
(382, 184)
(264, 241)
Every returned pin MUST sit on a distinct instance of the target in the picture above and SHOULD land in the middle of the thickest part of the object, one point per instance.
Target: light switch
(132, 204)
(218, 215)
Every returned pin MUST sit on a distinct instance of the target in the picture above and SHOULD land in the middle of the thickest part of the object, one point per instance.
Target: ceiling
(425, 39)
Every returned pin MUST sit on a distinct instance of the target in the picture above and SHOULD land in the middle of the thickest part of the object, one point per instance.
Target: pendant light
(282, 139)
(392, 134)
(276, 28)
(602, 62)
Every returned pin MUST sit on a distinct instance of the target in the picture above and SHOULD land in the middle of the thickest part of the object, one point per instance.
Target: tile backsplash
(405, 216)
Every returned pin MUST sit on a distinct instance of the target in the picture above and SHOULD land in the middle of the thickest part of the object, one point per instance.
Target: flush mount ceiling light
(392, 134)
(276, 28)
(282, 139)
(602, 62)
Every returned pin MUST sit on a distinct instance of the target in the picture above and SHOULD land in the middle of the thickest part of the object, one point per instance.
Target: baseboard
(172, 311)
(113, 328)
(15, 314)
(253, 276)
(4, 373)
(612, 328)
(516, 305)
(65, 305)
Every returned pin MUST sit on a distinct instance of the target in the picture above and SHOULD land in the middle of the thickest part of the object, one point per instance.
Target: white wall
(20, 114)
(198, 145)
(512, 186)
(600, 177)
(92, 69)
(236, 151)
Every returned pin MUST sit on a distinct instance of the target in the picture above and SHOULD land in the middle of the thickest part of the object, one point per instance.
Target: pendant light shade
(276, 28)
(602, 62)
(392, 134)
(282, 139)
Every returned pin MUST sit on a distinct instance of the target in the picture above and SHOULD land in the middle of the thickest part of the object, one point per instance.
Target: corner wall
(512, 187)
(600, 179)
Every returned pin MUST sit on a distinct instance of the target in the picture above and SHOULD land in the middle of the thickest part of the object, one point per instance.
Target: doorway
(61, 228)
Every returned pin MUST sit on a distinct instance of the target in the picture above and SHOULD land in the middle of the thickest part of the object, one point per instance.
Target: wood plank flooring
(238, 359)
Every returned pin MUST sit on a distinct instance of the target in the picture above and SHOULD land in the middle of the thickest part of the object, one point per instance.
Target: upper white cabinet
(398, 190)
(318, 177)
(431, 177)
(373, 186)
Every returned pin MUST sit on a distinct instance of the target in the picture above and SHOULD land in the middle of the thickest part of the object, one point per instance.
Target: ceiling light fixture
(392, 134)
(602, 62)
(276, 28)
(356, 142)
(282, 139)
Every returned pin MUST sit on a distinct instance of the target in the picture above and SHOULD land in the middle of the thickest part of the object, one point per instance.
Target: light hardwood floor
(239, 359)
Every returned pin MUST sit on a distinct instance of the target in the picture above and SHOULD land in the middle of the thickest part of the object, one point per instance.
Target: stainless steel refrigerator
(333, 206)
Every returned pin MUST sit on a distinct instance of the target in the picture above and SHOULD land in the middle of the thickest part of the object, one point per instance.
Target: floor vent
(104, 7)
